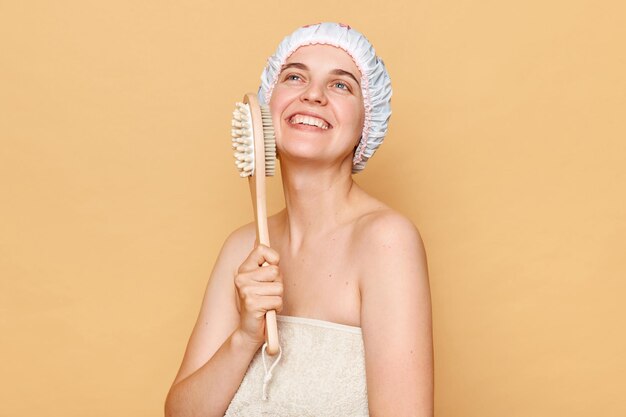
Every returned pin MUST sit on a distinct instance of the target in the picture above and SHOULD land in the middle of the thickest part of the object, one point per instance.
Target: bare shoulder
(238, 245)
(391, 259)
(385, 232)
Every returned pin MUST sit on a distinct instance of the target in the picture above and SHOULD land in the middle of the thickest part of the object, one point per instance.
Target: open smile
(308, 120)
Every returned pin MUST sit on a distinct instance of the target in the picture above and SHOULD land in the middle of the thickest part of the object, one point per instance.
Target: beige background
(117, 189)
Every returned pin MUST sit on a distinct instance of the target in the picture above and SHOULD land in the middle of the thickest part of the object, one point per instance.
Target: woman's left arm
(396, 319)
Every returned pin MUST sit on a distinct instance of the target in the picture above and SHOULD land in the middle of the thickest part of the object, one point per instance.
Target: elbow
(179, 403)
(172, 408)
(168, 409)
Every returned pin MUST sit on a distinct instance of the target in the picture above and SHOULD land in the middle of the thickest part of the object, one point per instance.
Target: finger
(268, 273)
(268, 289)
(270, 256)
(258, 256)
(262, 303)
(270, 303)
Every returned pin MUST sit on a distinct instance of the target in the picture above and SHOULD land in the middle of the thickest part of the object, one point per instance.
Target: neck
(317, 200)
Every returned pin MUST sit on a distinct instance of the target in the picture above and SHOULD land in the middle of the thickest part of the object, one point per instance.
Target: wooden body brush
(255, 156)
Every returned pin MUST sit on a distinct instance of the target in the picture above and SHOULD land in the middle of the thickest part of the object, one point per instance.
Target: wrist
(241, 341)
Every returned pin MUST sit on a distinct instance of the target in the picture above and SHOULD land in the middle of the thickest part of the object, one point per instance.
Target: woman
(347, 274)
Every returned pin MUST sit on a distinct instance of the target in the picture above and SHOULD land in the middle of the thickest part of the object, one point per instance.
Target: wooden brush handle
(271, 332)
(257, 191)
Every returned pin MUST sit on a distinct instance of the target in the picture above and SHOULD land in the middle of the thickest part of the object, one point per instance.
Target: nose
(314, 94)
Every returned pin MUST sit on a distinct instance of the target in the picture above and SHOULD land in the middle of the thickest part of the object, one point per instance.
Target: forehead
(324, 57)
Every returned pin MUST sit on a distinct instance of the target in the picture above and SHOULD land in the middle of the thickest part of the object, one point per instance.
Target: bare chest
(321, 282)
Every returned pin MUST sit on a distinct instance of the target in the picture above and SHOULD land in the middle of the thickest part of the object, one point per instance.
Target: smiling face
(317, 105)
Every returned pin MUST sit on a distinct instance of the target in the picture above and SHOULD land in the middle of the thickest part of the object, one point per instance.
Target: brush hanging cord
(268, 374)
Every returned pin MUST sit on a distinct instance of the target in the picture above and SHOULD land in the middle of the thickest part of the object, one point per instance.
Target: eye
(293, 77)
(341, 85)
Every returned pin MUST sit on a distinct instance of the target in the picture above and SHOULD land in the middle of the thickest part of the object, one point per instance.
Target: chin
(301, 151)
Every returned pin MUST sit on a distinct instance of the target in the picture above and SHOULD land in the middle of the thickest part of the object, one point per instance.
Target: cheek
(278, 103)
(354, 113)
(360, 120)
(275, 111)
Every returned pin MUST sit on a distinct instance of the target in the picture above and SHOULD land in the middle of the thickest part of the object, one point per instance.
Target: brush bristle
(270, 141)
(243, 141)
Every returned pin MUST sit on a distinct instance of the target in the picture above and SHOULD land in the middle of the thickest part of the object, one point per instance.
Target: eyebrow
(336, 71)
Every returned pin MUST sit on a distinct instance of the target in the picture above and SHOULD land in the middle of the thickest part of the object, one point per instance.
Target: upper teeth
(309, 120)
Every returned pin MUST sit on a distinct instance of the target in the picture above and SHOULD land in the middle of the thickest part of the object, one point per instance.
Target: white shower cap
(375, 82)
